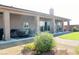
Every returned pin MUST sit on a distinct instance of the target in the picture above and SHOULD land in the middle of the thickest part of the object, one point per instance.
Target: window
(48, 25)
(26, 25)
(42, 26)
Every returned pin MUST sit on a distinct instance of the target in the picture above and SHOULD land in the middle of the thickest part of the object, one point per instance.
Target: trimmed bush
(43, 42)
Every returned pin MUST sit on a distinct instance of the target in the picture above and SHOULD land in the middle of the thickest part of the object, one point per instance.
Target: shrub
(43, 42)
(29, 47)
(75, 29)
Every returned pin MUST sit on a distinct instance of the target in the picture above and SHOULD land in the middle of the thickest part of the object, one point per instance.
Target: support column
(63, 25)
(6, 19)
(37, 24)
(68, 25)
(53, 25)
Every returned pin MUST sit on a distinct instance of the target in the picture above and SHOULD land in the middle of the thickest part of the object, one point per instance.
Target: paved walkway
(67, 42)
(69, 45)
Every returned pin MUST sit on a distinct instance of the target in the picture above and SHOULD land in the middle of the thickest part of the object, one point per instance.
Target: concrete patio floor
(14, 42)
(16, 50)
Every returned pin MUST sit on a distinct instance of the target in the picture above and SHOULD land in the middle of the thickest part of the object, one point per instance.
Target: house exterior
(72, 27)
(15, 18)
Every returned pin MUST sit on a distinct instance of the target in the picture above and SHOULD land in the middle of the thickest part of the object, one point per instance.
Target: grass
(71, 36)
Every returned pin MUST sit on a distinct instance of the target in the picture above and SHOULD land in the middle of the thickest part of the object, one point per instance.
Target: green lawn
(71, 36)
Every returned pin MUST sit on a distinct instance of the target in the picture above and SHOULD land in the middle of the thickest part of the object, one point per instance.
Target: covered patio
(14, 18)
(10, 21)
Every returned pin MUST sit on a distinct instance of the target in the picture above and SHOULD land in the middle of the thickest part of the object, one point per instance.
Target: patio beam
(6, 19)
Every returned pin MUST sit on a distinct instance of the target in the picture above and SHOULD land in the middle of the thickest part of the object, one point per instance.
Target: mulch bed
(34, 53)
(52, 52)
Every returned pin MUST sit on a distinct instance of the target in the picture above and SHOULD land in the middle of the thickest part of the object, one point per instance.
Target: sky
(63, 8)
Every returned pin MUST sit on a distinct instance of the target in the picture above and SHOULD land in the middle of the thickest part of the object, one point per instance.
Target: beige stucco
(6, 27)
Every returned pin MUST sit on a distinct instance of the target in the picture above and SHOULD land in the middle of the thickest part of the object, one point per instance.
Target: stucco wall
(17, 21)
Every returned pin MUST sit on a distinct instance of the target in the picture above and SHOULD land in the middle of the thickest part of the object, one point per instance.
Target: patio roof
(34, 13)
(62, 18)
(24, 10)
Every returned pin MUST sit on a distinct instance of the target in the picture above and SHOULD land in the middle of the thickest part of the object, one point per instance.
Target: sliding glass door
(44, 26)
